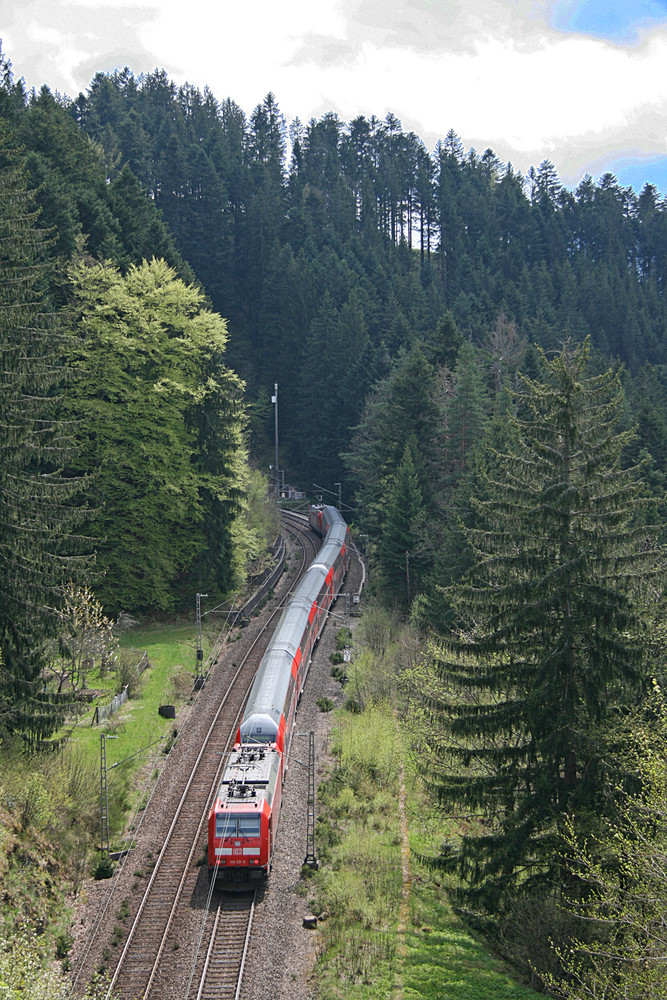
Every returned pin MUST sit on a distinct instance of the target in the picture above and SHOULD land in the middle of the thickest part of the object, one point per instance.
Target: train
(243, 820)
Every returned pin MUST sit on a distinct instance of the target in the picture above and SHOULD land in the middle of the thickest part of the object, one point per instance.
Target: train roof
(250, 776)
(333, 519)
(269, 689)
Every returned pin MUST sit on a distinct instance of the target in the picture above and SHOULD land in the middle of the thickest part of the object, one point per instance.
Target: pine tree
(401, 546)
(465, 412)
(38, 551)
(403, 406)
(551, 636)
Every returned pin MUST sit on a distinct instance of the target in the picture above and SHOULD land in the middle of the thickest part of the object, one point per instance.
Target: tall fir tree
(551, 640)
(401, 547)
(39, 550)
(465, 413)
(402, 406)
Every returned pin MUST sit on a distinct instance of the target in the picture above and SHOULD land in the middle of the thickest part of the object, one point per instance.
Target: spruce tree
(465, 413)
(550, 640)
(401, 407)
(402, 555)
(38, 549)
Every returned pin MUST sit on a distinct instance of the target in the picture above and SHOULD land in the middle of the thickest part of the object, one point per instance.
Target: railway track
(174, 920)
(218, 973)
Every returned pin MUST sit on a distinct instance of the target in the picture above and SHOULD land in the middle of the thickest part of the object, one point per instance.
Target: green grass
(443, 960)
(370, 948)
(168, 680)
(137, 728)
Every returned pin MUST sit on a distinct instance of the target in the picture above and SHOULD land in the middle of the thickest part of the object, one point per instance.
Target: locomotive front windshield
(236, 825)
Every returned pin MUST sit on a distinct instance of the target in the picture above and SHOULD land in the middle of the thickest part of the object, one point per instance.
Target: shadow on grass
(444, 961)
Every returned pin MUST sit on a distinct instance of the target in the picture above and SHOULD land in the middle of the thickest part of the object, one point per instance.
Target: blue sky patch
(616, 20)
(630, 171)
(636, 173)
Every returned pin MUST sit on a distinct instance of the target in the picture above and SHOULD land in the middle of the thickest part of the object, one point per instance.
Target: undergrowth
(358, 885)
(386, 929)
(50, 816)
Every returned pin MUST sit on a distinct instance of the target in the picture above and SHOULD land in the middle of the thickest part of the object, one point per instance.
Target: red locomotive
(243, 821)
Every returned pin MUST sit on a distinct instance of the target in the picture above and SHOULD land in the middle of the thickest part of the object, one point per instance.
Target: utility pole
(274, 400)
(199, 675)
(104, 801)
(340, 495)
(407, 572)
(310, 860)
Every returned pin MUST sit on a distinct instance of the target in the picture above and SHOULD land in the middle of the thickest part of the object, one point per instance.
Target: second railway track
(172, 930)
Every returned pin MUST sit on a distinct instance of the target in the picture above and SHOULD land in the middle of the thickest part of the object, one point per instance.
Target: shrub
(63, 944)
(343, 638)
(103, 869)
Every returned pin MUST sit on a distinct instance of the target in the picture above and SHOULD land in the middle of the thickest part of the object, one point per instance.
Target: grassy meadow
(386, 927)
(167, 681)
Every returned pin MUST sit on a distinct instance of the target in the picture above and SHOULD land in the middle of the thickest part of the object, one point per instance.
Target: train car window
(248, 826)
(288, 699)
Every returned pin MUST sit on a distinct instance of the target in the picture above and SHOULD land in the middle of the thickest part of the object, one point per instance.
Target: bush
(103, 869)
(366, 746)
(63, 944)
(22, 973)
(343, 638)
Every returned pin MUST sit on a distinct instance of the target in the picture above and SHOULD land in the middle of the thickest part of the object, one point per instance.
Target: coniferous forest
(476, 359)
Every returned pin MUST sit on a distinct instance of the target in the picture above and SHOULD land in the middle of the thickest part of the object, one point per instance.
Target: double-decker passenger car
(244, 816)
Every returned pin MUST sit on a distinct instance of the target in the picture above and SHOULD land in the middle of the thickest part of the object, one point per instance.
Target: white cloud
(495, 72)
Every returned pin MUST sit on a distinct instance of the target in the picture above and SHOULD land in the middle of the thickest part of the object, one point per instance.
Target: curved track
(150, 963)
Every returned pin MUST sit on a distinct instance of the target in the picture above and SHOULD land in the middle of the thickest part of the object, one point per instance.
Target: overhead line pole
(311, 860)
(199, 671)
(274, 400)
(104, 801)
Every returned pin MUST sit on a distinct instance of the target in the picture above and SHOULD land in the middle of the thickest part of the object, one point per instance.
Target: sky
(582, 83)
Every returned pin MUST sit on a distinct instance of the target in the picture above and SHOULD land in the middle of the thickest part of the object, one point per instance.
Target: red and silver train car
(243, 821)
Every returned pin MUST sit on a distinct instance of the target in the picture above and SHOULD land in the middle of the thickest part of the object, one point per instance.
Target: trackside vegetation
(49, 818)
(386, 926)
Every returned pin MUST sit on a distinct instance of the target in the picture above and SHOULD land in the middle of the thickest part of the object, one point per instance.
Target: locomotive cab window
(225, 825)
(236, 825)
(248, 826)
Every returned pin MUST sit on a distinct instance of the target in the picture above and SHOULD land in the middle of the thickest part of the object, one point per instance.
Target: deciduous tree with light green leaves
(619, 907)
(159, 419)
